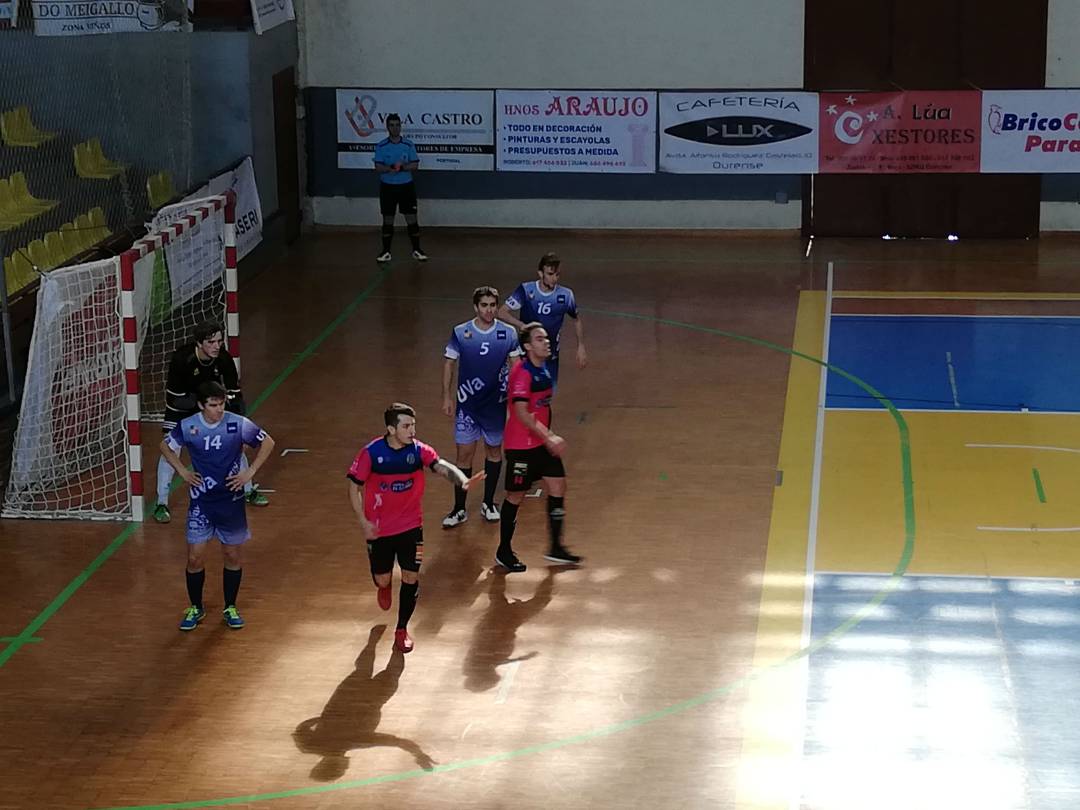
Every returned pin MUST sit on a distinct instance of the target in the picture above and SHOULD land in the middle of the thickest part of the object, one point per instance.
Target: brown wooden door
(285, 147)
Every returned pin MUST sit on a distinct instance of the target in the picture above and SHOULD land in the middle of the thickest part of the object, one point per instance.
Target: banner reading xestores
(66, 19)
(1031, 131)
(739, 133)
(576, 131)
(452, 129)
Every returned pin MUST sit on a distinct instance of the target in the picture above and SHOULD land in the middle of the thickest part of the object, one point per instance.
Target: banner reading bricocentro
(576, 131)
(55, 18)
(749, 132)
(269, 14)
(1031, 131)
(452, 129)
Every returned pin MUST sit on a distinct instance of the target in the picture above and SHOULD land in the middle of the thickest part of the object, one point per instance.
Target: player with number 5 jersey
(215, 440)
(480, 349)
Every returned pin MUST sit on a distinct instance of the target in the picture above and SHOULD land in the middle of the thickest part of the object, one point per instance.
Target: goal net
(103, 334)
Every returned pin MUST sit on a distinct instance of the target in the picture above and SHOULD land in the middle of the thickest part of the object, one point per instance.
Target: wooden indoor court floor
(620, 684)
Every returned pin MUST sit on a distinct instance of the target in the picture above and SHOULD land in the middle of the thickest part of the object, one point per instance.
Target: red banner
(914, 132)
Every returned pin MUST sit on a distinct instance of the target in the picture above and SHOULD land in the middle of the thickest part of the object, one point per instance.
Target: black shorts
(525, 466)
(397, 196)
(407, 547)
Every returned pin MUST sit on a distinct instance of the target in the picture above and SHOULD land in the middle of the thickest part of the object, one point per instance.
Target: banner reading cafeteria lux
(576, 131)
(739, 133)
(1031, 131)
(913, 132)
(68, 19)
(452, 129)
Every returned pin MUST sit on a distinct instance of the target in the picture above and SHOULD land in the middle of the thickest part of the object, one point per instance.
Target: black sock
(507, 524)
(492, 481)
(459, 493)
(413, 229)
(230, 580)
(406, 603)
(555, 520)
(387, 237)
(194, 587)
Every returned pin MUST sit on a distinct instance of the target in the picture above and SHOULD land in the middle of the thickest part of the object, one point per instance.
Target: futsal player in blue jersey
(395, 161)
(547, 302)
(215, 439)
(481, 350)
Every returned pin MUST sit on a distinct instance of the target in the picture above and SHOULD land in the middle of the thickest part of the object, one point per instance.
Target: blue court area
(973, 363)
(955, 692)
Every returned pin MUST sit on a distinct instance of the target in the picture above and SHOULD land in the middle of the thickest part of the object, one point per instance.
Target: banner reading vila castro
(915, 132)
(576, 131)
(1031, 131)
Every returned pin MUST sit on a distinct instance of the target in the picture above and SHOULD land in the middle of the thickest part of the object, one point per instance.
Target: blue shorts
(225, 520)
(489, 426)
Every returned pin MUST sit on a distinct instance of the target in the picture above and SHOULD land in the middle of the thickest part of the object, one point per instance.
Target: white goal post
(103, 335)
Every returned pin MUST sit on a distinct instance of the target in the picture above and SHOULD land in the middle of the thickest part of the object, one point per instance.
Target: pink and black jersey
(532, 386)
(393, 482)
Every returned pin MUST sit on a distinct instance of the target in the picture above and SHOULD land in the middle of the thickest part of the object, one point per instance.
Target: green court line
(684, 705)
(1038, 485)
(25, 636)
(9, 639)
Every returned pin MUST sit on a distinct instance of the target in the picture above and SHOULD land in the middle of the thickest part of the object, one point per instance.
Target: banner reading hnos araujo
(1031, 131)
(452, 129)
(55, 18)
(576, 131)
(749, 132)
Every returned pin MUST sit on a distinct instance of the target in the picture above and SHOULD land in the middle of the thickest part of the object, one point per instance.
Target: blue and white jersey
(215, 451)
(388, 153)
(482, 364)
(548, 308)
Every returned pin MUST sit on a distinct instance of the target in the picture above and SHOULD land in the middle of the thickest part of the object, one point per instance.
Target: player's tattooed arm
(454, 475)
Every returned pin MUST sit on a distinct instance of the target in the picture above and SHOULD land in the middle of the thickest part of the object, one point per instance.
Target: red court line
(953, 306)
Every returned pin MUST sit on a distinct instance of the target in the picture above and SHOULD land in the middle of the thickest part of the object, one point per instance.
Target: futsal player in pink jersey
(532, 450)
(386, 490)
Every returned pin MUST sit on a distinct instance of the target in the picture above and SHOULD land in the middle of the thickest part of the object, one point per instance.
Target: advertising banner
(914, 132)
(1031, 131)
(268, 14)
(452, 129)
(54, 18)
(749, 132)
(576, 131)
(9, 13)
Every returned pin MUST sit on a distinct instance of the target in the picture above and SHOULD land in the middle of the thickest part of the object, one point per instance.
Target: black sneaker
(562, 556)
(510, 562)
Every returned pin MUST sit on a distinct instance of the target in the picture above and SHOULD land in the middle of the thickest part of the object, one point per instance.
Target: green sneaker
(192, 616)
(256, 498)
(161, 514)
(233, 619)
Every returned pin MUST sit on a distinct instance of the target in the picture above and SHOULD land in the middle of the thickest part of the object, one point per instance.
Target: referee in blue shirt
(395, 161)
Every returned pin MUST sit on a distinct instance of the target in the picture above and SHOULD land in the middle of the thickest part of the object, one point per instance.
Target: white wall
(1062, 55)
(558, 44)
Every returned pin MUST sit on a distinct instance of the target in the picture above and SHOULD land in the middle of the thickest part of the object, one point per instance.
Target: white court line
(1028, 529)
(537, 494)
(950, 410)
(952, 379)
(938, 315)
(1026, 447)
(507, 682)
(288, 450)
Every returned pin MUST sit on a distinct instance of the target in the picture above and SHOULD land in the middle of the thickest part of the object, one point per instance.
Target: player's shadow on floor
(350, 717)
(454, 579)
(494, 636)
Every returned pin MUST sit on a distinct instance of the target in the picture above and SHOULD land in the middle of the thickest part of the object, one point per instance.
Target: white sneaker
(383, 257)
(490, 512)
(455, 519)
(419, 255)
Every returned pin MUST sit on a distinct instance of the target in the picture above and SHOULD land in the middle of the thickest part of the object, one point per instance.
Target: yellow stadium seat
(39, 255)
(10, 215)
(160, 189)
(54, 244)
(86, 167)
(17, 129)
(74, 240)
(24, 200)
(102, 162)
(19, 271)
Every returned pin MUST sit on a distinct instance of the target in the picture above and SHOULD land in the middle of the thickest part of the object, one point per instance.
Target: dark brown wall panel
(847, 45)
(1003, 44)
(925, 34)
